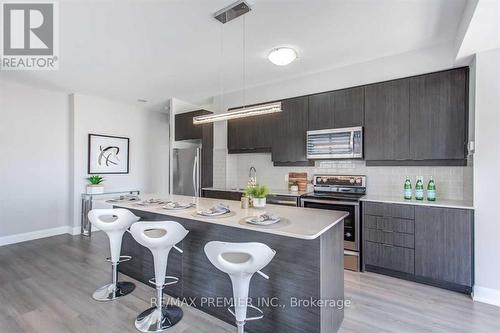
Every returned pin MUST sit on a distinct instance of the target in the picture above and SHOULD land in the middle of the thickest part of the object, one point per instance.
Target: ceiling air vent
(232, 11)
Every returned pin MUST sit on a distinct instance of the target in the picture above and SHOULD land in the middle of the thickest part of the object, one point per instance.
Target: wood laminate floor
(46, 286)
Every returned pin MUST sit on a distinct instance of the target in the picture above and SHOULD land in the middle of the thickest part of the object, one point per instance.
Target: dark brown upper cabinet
(184, 127)
(438, 116)
(250, 135)
(207, 155)
(387, 121)
(289, 135)
(337, 109)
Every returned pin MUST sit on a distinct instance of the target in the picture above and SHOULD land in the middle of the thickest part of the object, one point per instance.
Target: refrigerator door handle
(195, 176)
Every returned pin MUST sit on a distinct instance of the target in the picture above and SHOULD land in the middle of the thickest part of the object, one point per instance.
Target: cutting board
(298, 177)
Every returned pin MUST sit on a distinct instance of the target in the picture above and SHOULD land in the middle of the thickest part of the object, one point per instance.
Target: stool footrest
(173, 279)
(251, 307)
(122, 259)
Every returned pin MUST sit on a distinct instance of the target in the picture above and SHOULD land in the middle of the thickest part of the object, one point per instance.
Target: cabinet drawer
(374, 208)
(389, 224)
(389, 210)
(402, 211)
(390, 238)
(396, 258)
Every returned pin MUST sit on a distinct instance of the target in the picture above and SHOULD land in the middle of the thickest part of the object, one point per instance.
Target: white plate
(178, 207)
(252, 220)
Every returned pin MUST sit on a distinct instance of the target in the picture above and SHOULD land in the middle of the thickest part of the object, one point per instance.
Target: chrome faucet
(252, 176)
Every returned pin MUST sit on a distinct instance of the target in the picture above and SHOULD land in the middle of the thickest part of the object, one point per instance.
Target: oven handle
(335, 202)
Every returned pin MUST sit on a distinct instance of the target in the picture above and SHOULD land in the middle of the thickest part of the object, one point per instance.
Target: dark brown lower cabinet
(444, 244)
(432, 245)
(225, 195)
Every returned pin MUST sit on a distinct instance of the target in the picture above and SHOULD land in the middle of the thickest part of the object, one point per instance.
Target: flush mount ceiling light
(244, 112)
(282, 56)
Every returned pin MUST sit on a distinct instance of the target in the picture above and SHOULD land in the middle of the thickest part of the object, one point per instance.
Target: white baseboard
(486, 295)
(27, 236)
(77, 230)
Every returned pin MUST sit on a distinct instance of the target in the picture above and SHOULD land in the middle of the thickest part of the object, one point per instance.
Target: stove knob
(348, 234)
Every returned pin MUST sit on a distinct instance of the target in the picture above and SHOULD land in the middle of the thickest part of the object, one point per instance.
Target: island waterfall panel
(301, 271)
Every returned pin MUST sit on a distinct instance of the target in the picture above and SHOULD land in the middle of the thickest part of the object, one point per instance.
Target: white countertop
(463, 204)
(304, 223)
(271, 191)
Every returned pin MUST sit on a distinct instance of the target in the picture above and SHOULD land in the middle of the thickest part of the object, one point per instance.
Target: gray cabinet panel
(438, 115)
(390, 257)
(290, 127)
(348, 107)
(374, 208)
(443, 244)
(389, 210)
(390, 237)
(337, 109)
(387, 121)
(321, 111)
(252, 134)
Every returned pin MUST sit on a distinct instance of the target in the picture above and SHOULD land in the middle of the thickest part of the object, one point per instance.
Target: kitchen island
(305, 292)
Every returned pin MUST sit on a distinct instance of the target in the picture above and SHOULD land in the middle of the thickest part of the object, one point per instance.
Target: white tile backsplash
(453, 183)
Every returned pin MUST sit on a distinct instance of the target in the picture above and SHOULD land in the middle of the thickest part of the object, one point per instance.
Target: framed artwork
(108, 154)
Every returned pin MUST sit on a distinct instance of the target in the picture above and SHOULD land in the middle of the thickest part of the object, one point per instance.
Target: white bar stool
(159, 237)
(114, 222)
(240, 261)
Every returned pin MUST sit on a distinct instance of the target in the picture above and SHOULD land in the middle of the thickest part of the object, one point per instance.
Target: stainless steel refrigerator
(186, 171)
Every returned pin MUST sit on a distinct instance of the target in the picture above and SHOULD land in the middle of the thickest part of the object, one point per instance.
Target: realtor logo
(29, 36)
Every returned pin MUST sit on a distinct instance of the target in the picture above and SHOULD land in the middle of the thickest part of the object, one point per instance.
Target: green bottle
(408, 192)
(419, 189)
(431, 190)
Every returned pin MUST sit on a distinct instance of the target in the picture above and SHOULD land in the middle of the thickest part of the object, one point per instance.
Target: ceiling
(126, 50)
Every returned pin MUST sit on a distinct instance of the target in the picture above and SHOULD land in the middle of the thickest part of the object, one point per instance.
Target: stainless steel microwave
(335, 143)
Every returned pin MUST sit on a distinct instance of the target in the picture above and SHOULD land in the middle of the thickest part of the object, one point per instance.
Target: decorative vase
(259, 202)
(95, 189)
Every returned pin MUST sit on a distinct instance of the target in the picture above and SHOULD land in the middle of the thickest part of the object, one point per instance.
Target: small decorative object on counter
(419, 188)
(431, 190)
(95, 186)
(294, 187)
(407, 186)
(245, 202)
(258, 194)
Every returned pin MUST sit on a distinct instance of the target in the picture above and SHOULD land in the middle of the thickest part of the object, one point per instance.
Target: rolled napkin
(264, 219)
(151, 202)
(178, 206)
(217, 210)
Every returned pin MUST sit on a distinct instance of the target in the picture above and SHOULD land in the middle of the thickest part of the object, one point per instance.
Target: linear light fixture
(239, 113)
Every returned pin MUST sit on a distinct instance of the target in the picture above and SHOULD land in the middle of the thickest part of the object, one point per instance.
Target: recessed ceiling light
(282, 56)
(142, 100)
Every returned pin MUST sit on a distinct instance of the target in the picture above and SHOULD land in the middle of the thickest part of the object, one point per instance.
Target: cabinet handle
(387, 245)
(388, 231)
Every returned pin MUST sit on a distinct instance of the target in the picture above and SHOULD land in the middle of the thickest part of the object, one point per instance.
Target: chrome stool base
(152, 321)
(108, 293)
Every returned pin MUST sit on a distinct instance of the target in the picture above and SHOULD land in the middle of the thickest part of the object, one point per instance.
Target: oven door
(351, 222)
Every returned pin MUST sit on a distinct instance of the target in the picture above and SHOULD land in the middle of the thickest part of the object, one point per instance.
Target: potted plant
(258, 193)
(95, 186)
(294, 187)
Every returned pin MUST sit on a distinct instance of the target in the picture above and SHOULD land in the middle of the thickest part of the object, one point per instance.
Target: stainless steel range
(342, 193)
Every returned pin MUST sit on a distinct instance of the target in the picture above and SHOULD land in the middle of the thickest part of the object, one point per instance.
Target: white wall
(486, 176)
(34, 162)
(43, 149)
(149, 136)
